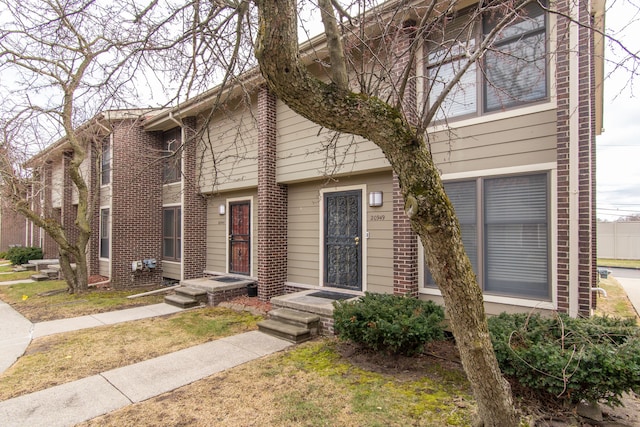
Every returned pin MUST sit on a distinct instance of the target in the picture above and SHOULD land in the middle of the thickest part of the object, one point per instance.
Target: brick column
(405, 242)
(194, 207)
(49, 246)
(584, 212)
(94, 204)
(68, 211)
(136, 209)
(272, 205)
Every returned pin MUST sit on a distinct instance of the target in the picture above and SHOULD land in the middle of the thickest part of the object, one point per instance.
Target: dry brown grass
(61, 358)
(617, 303)
(309, 385)
(48, 300)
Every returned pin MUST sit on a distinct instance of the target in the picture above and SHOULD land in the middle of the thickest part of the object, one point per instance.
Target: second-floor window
(172, 161)
(513, 72)
(105, 163)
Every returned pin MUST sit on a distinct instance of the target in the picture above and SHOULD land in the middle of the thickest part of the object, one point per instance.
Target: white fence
(619, 240)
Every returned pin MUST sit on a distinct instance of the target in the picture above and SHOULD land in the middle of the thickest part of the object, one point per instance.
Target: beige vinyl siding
(171, 270)
(513, 141)
(305, 151)
(379, 223)
(217, 239)
(57, 184)
(228, 150)
(304, 231)
(172, 194)
(103, 267)
(84, 171)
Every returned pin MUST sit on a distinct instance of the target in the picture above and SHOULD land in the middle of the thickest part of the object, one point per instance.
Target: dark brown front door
(342, 240)
(239, 238)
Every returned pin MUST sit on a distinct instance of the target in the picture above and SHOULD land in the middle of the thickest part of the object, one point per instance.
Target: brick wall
(136, 224)
(194, 209)
(13, 231)
(272, 205)
(405, 242)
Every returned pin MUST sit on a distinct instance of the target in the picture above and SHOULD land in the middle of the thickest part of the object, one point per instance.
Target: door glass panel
(343, 233)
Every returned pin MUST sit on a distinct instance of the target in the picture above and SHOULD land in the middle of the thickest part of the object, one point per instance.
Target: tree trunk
(431, 213)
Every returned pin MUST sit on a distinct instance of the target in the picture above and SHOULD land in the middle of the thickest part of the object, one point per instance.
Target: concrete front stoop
(291, 325)
(186, 297)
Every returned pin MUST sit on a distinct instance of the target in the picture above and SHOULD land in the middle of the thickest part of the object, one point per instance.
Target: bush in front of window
(391, 323)
(22, 255)
(575, 359)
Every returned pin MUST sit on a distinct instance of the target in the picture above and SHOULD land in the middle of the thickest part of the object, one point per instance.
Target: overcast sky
(618, 148)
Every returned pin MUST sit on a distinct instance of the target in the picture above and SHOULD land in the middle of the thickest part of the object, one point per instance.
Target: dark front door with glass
(239, 238)
(343, 240)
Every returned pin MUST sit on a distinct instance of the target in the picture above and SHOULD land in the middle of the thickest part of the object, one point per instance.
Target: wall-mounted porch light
(375, 199)
(222, 209)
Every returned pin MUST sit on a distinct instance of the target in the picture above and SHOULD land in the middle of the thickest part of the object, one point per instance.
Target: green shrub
(399, 325)
(594, 359)
(3, 255)
(22, 255)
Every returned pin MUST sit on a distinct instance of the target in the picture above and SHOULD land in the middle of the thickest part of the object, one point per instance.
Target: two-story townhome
(137, 190)
(233, 182)
(295, 206)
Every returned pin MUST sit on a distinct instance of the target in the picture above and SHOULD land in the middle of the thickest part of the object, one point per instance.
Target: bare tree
(367, 89)
(62, 64)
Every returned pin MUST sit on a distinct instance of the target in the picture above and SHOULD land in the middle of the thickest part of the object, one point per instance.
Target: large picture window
(513, 213)
(104, 233)
(511, 73)
(172, 233)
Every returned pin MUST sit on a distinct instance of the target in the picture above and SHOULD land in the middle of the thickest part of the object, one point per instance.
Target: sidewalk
(77, 401)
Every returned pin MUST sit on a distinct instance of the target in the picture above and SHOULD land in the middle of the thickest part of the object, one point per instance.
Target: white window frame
(108, 232)
(549, 168)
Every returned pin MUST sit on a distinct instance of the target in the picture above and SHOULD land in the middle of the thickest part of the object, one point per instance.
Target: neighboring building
(13, 228)
(256, 190)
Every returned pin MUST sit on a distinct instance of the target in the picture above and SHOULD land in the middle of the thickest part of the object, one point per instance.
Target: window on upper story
(105, 164)
(104, 233)
(504, 223)
(514, 72)
(172, 160)
(172, 233)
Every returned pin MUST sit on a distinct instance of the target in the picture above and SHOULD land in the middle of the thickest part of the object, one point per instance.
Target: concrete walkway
(77, 401)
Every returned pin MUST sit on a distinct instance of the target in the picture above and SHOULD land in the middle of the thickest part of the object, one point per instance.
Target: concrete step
(28, 266)
(294, 334)
(296, 318)
(199, 295)
(181, 301)
(40, 277)
(52, 273)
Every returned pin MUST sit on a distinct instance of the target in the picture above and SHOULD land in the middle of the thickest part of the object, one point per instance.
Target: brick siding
(272, 205)
(405, 242)
(586, 142)
(194, 209)
(136, 205)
